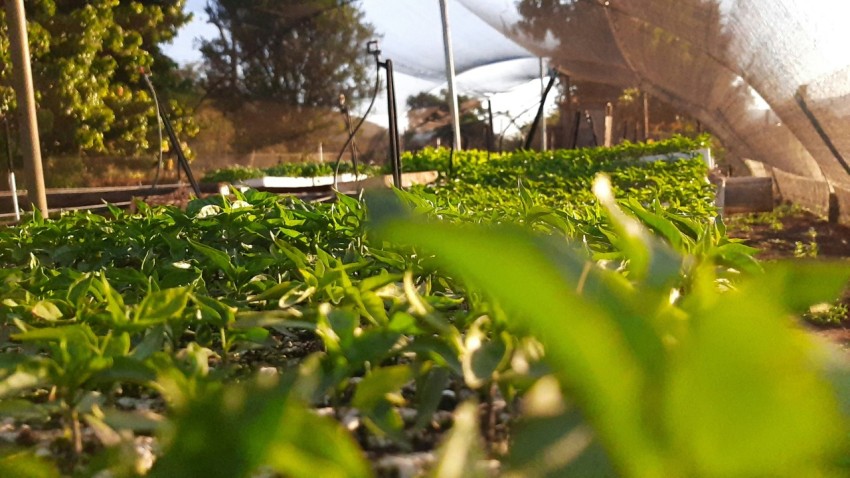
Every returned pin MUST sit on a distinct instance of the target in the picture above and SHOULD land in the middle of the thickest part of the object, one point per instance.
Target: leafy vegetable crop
(300, 170)
(264, 334)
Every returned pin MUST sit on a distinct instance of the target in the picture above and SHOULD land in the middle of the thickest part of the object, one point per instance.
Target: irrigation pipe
(359, 123)
(159, 134)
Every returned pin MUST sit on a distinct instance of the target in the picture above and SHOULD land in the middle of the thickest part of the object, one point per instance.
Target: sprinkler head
(373, 48)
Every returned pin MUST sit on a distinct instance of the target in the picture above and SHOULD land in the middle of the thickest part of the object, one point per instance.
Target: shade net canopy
(771, 78)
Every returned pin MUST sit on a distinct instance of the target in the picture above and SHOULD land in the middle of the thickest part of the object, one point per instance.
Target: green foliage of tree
(86, 61)
(284, 62)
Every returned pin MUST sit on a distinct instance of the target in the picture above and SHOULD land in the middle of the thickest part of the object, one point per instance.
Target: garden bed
(477, 324)
(791, 232)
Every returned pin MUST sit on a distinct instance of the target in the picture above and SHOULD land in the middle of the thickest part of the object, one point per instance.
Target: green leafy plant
(514, 285)
(808, 249)
(86, 62)
(232, 175)
(827, 314)
(694, 373)
(260, 426)
(77, 360)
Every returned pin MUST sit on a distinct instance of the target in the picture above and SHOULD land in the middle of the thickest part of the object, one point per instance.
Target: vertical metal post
(395, 156)
(489, 125)
(182, 162)
(450, 76)
(800, 98)
(576, 127)
(645, 116)
(566, 113)
(540, 117)
(609, 125)
(543, 100)
(833, 208)
(30, 143)
(13, 186)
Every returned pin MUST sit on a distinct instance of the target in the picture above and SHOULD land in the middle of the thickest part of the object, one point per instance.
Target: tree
(86, 58)
(277, 66)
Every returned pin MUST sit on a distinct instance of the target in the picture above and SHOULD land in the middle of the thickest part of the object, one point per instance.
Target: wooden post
(22, 72)
(609, 125)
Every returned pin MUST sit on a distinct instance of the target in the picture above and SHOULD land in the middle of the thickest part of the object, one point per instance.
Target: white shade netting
(764, 76)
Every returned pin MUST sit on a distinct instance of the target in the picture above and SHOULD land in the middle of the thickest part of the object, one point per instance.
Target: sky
(508, 85)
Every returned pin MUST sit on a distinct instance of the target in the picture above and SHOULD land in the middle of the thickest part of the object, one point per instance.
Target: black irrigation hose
(159, 136)
(359, 124)
(352, 148)
(539, 116)
(175, 143)
(512, 121)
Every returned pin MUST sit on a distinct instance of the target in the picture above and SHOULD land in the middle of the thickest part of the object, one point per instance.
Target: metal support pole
(13, 186)
(395, 155)
(576, 127)
(181, 158)
(566, 112)
(645, 116)
(30, 143)
(609, 125)
(182, 162)
(450, 76)
(800, 97)
(543, 101)
(540, 117)
(489, 125)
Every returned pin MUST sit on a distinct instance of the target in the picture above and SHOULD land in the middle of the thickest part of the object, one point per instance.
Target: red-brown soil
(791, 233)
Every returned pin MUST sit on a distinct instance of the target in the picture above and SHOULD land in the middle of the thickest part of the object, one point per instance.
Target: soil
(797, 234)
(179, 198)
(777, 234)
(787, 233)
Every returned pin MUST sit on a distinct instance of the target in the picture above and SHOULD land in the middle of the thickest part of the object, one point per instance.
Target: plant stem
(76, 434)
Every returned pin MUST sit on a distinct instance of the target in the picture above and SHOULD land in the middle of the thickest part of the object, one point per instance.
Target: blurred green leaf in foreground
(719, 383)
